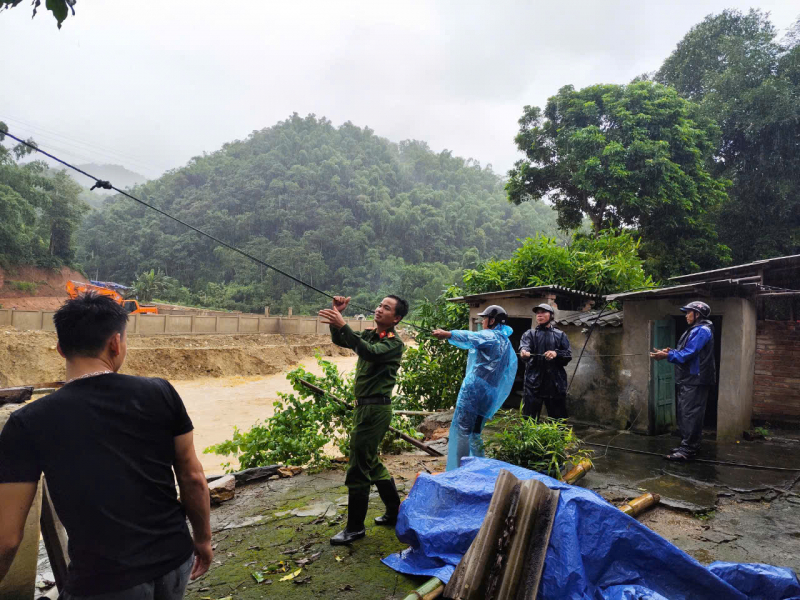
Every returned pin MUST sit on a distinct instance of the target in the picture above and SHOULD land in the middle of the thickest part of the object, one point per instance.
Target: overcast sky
(151, 83)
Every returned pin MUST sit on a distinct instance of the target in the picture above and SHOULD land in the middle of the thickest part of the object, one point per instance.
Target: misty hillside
(336, 206)
(116, 174)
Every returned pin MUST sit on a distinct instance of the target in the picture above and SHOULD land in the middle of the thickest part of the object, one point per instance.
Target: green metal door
(662, 383)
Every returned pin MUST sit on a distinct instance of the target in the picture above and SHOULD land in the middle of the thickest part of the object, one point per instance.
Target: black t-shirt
(106, 446)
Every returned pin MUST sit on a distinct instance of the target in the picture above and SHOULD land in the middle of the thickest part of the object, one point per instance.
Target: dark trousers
(532, 405)
(370, 424)
(171, 586)
(691, 412)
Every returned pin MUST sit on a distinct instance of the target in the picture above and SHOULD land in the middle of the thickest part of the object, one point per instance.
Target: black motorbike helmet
(498, 313)
(701, 308)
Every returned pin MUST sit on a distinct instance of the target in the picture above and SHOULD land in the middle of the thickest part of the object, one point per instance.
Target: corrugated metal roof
(528, 292)
(579, 318)
(506, 558)
(740, 270)
(716, 288)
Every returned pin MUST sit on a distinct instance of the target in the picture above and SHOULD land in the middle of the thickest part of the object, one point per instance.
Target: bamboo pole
(578, 471)
(429, 590)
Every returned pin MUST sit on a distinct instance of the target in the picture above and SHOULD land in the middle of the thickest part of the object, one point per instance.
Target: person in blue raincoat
(491, 367)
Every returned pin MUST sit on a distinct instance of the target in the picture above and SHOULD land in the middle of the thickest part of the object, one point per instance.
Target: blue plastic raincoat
(491, 368)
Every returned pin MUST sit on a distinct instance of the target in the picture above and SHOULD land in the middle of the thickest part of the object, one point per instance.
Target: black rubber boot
(357, 504)
(388, 493)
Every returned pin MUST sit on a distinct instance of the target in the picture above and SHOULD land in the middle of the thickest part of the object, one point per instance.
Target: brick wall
(776, 390)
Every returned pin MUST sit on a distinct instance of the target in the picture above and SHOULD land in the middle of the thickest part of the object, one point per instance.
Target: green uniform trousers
(370, 424)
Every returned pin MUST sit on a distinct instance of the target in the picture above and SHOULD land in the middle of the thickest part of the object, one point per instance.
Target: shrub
(543, 446)
(303, 424)
(24, 286)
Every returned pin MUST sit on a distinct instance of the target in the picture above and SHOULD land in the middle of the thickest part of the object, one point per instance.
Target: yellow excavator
(131, 305)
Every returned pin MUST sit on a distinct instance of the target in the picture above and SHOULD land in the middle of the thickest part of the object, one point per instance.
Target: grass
(23, 286)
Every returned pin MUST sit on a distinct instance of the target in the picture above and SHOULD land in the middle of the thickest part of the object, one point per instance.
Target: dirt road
(215, 405)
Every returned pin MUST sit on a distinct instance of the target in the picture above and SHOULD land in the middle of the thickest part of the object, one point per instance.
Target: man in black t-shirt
(107, 444)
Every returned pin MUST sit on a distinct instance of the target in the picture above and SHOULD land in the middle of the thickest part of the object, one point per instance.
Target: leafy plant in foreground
(544, 446)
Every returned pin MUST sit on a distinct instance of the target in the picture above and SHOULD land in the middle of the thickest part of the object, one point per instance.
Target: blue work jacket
(694, 357)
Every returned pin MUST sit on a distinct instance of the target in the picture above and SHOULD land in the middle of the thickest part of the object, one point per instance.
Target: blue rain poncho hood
(491, 368)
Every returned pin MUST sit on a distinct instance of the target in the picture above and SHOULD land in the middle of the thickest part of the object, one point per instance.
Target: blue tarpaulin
(596, 551)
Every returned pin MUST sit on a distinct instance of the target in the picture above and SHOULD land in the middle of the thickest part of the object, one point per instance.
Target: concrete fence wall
(42, 320)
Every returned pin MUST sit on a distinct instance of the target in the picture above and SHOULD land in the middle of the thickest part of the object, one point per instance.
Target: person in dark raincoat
(545, 350)
(695, 375)
(491, 368)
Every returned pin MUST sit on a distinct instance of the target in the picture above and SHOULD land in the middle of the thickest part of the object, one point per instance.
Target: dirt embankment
(32, 288)
(30, 357)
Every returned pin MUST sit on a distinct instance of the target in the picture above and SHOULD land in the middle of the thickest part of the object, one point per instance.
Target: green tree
(148, 285)
(632, 155)
(59, 8)
(63, 215)
(742, 76)
(40, 210)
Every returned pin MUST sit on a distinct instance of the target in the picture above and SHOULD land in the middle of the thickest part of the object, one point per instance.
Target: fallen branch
(397, 432)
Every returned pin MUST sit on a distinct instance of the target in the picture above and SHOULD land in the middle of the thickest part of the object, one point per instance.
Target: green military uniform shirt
(378, 359)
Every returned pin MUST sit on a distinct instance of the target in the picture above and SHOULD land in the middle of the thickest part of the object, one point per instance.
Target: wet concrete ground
(277, 527)
(711, 511)
(766, 469)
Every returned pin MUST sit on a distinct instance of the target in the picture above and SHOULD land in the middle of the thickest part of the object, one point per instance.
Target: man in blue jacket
(491, 367)
(695, 374)
(546, 351)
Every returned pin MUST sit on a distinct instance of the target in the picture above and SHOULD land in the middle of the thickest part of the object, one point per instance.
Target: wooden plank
(15, 395)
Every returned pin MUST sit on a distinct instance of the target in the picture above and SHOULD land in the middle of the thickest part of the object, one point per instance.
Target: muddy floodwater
(216, 405)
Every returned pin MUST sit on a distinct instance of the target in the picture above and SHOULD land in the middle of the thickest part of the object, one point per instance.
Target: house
(754, 309)
(595, 389)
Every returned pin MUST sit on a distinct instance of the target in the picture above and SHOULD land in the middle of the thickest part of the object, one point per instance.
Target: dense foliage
(605, 263)
(544, 446)
(337, 206)
(746, 79)
(303, 424)
(634, 155)
(40, 211)
(431, 374)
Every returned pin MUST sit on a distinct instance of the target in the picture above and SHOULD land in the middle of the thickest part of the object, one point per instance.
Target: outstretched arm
(461, 338)
(333, 317)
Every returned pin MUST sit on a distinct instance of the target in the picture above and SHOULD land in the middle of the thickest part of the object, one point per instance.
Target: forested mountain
(338, 207)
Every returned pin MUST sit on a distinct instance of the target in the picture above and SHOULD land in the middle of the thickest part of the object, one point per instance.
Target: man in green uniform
(379, 352)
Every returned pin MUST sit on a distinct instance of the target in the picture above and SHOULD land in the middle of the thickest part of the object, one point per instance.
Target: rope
(585, 343)
(100, 183)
